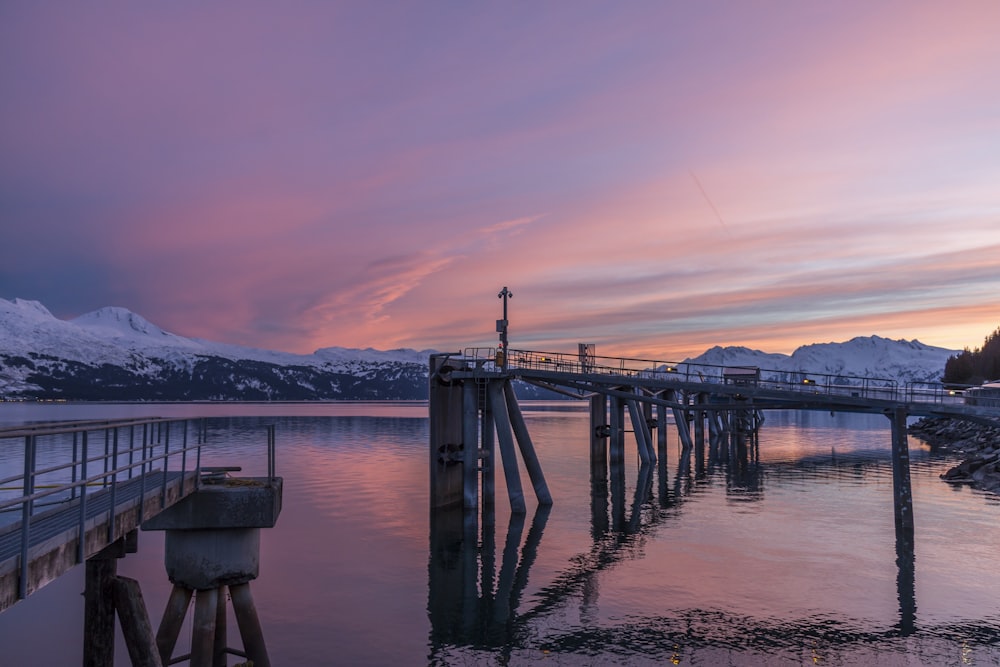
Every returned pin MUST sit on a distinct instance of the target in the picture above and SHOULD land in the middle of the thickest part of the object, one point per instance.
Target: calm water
(788, 560)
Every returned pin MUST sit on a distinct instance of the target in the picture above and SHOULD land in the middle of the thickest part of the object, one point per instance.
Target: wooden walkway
(66, 515)
(54, 544)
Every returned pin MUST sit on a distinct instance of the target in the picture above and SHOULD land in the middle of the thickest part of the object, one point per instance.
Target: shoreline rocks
(979, 444)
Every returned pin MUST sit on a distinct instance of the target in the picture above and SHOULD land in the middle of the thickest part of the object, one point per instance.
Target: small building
(741, 375)
(987, 395)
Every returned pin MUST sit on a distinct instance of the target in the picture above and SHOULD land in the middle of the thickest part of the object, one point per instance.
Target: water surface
(788, 557)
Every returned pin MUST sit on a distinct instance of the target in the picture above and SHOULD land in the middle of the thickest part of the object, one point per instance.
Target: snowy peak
(864, 356)
(120, 321)
(338, 355)
(28, 306)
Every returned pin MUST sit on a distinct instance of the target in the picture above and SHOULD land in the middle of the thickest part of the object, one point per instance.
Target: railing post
(81, 551)
(72, 474)
(166, 463)
(114, 489)
(26, 509)
(131, 449)
(184, 451)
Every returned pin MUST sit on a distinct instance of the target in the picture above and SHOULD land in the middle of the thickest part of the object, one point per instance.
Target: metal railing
(73, 465)
(846, 385)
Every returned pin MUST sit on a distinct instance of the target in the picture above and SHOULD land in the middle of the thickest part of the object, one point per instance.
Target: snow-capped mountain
(873, 357)
(115, 354)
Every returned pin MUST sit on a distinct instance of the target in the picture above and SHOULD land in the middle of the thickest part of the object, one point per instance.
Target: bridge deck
(770, 389)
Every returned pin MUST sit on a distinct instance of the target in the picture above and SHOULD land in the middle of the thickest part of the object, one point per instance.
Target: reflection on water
(781, 551)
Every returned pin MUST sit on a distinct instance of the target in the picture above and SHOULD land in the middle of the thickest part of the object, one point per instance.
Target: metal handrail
(154, 447)
(632, 367)
(486, 360)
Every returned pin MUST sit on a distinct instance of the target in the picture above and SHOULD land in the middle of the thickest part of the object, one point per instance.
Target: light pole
(502, 325)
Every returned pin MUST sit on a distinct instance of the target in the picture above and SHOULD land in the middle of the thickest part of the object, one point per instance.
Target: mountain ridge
(115, 354)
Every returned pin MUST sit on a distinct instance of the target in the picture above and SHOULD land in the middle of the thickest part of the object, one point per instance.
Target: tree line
(975, 366)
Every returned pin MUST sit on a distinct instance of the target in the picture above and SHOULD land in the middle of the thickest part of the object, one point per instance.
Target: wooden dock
(54, 543)
(97, 483)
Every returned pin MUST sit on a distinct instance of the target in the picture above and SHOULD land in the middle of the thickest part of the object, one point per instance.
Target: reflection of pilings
(528, 554)
(642, 489)
(617, 495)
(906, 582)
(464, 610)
(508, 565)
(527, 448)
(506, 444)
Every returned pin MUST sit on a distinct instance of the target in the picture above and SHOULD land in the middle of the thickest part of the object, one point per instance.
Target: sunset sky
(653, 177)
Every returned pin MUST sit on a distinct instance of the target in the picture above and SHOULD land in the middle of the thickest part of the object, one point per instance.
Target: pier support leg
(99, 609)
(249, 624)
(683, 430)
(638, 429)
(136, 628)
(527, 448)
(219, 645)
(902, 497)
(470, 445)
(489, 458)
(173, 619)
(616, 442)
(506, 443)
(203, 631)
(661, 431)
(598, 439)
(699, 421)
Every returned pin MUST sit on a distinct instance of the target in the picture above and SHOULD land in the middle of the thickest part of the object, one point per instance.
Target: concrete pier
(212, 547)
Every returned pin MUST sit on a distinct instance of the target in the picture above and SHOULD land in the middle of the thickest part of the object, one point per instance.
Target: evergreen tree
(975, 366)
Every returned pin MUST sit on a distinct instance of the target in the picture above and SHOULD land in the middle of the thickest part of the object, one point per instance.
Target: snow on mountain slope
(114, 347)
(872, 356)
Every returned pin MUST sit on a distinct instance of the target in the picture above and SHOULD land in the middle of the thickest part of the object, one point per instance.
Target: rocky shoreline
(979, 444)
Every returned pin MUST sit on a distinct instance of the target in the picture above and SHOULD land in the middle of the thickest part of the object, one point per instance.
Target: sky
(655, 178)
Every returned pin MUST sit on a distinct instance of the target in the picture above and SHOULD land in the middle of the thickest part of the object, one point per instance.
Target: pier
(85, 490)
(472, 399)
(633, 404)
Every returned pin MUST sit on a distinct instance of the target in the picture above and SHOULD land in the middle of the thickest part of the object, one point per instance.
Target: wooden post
(699, 420)
(136, 628)
(506, 443)
(173, 619)
(445, 404)
(902, 497)
(489, 456)
(635, 415)
(249, 624)
(598, 436)
(99, 610)
(616, 442)
(470, 445)
(203, 631)
(680, 418)
(527, 448)
(219, 645)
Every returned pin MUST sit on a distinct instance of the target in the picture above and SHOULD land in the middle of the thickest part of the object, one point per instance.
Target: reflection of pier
(477, 587)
